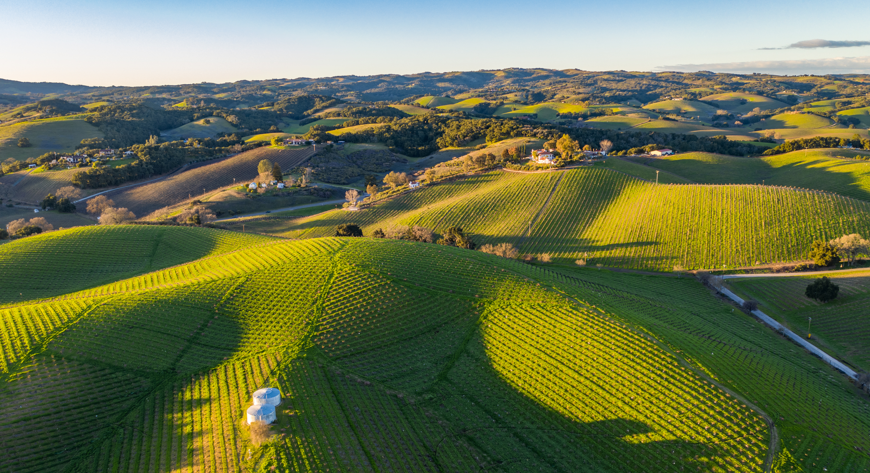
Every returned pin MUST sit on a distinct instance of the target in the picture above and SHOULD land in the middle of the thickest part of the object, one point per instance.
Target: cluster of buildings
(548, 156)
(263, 406)
(102, 153)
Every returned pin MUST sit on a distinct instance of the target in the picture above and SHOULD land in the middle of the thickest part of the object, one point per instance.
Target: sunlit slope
(820, 169)
(390, 356)
(821, 419)
(70, 260)
(609, 218)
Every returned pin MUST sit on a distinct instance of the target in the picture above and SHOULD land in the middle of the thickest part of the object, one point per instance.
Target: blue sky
(163, 42)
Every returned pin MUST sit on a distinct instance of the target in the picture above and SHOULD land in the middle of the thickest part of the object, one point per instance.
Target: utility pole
(810, 324)
(657, 177)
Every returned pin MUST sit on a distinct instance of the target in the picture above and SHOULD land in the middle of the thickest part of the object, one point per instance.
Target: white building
(414, 184)
(252, 185)
(261, 413)
(267, 397)
(661, 152)
(281, 185)
(544, 156)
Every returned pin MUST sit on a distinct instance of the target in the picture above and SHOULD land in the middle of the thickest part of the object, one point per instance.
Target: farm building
(543, 156)
(267, 397)
(262, 413)
(252, 185)
(294, 142)
(661, 152)
(281, 185)
(414, 184)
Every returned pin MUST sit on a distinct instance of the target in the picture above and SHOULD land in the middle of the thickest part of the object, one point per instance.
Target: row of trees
(453, 236)
(829, 253)
(818, 142)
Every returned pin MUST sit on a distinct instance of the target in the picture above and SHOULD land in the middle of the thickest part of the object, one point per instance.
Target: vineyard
(144, 199)
(399, 356)
(71, 260)
(610, 218)
(822, 422)
(839, 326)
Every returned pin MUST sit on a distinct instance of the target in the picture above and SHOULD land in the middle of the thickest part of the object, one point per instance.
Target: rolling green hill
(464, 106)
(434, 102)
(545, 111)
(199, 129)
(825, 170)
(862, 114)
(404, 356)
(689, 108)
(610, 218)
(65, 261)
(45, 136)
(795, 120)
(741, 103)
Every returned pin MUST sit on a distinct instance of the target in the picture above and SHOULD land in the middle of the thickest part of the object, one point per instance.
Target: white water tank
(261, 413)
(267, 397)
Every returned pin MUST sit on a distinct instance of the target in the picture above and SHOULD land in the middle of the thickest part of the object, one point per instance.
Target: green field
(670, 126)
(545, 111)
(355, 128)
(689, 108)
(613, 219)
(398, 356)
(794, 120)
(266, 137)
(433, 102)
(616, 122)
(862, 114)
(839, 327)
(411, 109)
(199, 129)
(60, 136)
(296, 129)
(825, 170)
(741, 103)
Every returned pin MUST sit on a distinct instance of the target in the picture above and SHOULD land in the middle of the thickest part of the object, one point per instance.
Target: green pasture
(59, 136)
(199, 129)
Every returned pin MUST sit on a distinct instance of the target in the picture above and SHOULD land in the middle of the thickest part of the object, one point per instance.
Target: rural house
(543, 156)
(414, 184)
(294, 142)
(661, 152)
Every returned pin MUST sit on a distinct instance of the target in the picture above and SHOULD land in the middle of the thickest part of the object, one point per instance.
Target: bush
(545, 258)
(505, 250)
(64, 205)
(822, 290)
(260, 432)
(749, 305)
(116, 216)
(4, 234)
(28, 230)
(454, 236)
(824, 254)
(348, 230)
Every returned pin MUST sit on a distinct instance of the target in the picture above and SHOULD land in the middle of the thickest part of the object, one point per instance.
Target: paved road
(795, 338)
(325, 202)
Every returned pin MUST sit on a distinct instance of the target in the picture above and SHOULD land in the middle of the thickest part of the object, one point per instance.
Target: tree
(824, 254)
(371, 180)
(196, 216)
(153, 140)
(421, 234)
(265, 166)
(352, 197)
(348, 230)
(822, 290)
(606, 146)
(276, 172)
(24, 143)
(372, 191)
(206, 122)
(851, 245)
(98, 204)
(431, 175)
(3, 234)
(505, 250)
(42, 223)
(454, 236)
(15, 225)
(394, 179)
(49, 202)
(378, 233)
(69, 192)
(749, 306)
(551, 144)
(116, 216)
(276, 141)
(28, 230)
(64, 205)
(567, 147)
(260, 432)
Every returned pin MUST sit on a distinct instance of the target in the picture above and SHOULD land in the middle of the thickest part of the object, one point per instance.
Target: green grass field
(615, 122)
(794, 120)
(396, 356)
(689, 108)
(60, 136)
(411, 109)
(669, 126)
(862, 114)
(199, 129)
(545, 111)
(614, 219)
(266, 137)
(355, 128)
(825, 170)
(296, 129)
(741, 103)
(430, 101)
(839, 327)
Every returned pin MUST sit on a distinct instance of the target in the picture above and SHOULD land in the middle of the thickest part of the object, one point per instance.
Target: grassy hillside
(611, 218)
(689, 108)
(839, 327)
(498, 367)
(355, 128)
(89, 257)
(45, 136)
(736, 102)
(296, 129)
(410, 109)
(862, 114)
(433, 102)
(147, 198)
(825, 170)
(615, 122)
(33, 187)
(464, 106)
(670, 126)
(199, 129)
(545, 111)
(795, 120)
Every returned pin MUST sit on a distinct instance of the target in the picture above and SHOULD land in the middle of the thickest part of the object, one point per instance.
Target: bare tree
(196, 215)
(395, 179)
(422, 234)
(116, 216)
(851, 245)
(69, 192)
(505, 250)
(606, 146)
(352, 197)
(749, 306)
(580, 262)
(41, 223)
(98, 204)
(15, 225)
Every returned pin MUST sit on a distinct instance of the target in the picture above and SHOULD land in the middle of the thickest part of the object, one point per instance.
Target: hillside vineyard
(613, 219)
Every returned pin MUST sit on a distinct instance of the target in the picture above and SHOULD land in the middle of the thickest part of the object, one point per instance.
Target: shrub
(505, 250)
(580, 262)
(454, 236)
(348, 230)
(28, 230)
(260, 432)
(545, 258)
(378, 233)
(749, 305)
(98, 204)
(822, 290)
(116, 216)
(65, 206)
(4, 234)
(824, 254)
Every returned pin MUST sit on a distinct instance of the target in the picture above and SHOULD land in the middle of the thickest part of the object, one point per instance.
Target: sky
(104, 43)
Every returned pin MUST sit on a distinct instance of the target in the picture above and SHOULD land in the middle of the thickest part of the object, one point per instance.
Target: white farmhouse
(661, 152)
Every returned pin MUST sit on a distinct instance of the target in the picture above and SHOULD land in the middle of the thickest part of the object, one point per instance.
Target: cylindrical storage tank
(267, 397)
(261, 413)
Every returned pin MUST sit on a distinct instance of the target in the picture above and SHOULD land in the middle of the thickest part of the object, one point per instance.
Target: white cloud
(840, 65)
(822, 43)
